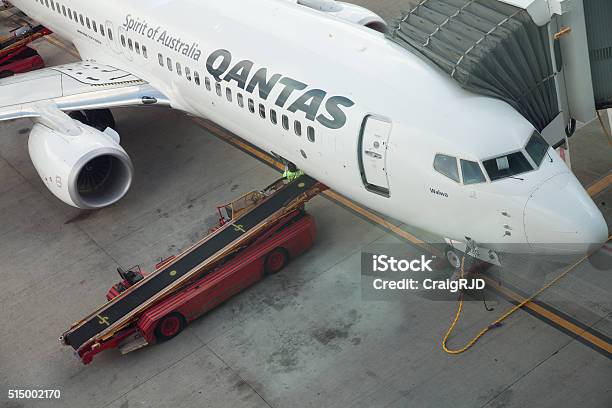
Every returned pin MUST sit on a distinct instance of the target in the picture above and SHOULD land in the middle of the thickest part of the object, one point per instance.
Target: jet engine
(87, 170)
(349, 12)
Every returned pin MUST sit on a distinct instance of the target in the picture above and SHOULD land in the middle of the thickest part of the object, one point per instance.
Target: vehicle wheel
(276, 260)
(100, 119)
(78, 115)
(169, 326)
(6, 74)
(453, 257)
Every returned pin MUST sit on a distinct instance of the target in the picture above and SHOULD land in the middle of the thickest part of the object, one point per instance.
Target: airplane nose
(561, 217)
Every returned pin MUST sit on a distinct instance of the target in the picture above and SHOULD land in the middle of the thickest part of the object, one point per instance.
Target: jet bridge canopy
(598, 14)
(489, 48)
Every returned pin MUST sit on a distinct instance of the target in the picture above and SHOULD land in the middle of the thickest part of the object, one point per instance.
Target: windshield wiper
(517, 178)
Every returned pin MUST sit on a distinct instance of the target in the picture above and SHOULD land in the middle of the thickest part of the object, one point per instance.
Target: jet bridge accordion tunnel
(489, 48)
(598, 16)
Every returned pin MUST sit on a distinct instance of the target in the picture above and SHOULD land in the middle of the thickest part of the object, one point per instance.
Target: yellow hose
(497, 322)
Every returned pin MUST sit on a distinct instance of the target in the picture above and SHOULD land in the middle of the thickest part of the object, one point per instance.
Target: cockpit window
(537, 148)
(471, 172)
(447, 165)
(507, 165)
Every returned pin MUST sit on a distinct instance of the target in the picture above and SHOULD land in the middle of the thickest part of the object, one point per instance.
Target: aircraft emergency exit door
(373, 147)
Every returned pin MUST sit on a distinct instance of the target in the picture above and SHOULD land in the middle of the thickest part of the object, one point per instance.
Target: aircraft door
(373, 158)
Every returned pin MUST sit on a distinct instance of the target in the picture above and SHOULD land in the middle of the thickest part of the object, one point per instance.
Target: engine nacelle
(89, 170)
(348, 12)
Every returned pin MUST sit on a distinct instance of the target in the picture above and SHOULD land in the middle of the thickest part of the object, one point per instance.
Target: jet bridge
(278, 200)
(532, 54)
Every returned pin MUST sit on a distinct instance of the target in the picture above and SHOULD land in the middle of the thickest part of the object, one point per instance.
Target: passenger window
(130, 44)
(52, 5)
(207, 83)
(196, 78)
(178, 69)
(88, 23)
(285, 120)
(297, 126)
(95, 26)
(102, 30)
(110, 34)
(240, 100)
(310, 132)
(273, 117)
(218, 88)
(262, 111)
(144, 52)
(137, 46)
(122, 40)
(64, 11)
(228, 94)
(187, 73)
(81, 20)
(169, 63)
(251, 106)
(447, 165)
(69, 13)
(471, 172)
(161, 59)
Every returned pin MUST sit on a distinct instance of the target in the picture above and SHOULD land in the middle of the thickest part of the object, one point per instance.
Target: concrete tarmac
(301, 338)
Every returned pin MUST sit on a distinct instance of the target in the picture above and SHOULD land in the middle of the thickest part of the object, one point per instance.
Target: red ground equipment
(287, 232)
(15, 56)
(23, 60)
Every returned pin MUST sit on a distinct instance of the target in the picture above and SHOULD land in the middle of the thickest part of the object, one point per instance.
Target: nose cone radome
(561, 217)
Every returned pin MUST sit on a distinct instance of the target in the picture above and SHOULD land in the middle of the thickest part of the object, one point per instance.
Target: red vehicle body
(22, 60)
(287, 239)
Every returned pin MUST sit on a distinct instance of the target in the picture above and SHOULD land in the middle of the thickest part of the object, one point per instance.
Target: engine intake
(89, 171)
(348, 12)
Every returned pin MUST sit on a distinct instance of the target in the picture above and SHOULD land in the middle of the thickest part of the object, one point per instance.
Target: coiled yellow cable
(497, 322)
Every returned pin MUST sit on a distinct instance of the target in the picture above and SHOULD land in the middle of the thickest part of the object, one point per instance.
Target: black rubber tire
(450, 252)
(6, 74)
(78, 115)
(100, 119)
(169, 326)
(276, 260)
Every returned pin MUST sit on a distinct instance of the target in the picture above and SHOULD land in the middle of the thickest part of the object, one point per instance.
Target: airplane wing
(78, 86)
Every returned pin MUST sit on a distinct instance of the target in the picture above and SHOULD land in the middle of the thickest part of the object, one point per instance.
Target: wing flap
(77, 86)
(16, 91)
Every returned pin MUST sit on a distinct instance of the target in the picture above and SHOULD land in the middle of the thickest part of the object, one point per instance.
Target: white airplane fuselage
(351, 85)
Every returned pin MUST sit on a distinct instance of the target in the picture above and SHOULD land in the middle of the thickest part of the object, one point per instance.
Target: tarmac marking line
(581, 332)
(538, 310)
(600, 185)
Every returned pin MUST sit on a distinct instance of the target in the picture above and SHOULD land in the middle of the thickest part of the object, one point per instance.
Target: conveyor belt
(16, 42)
(119, 308)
